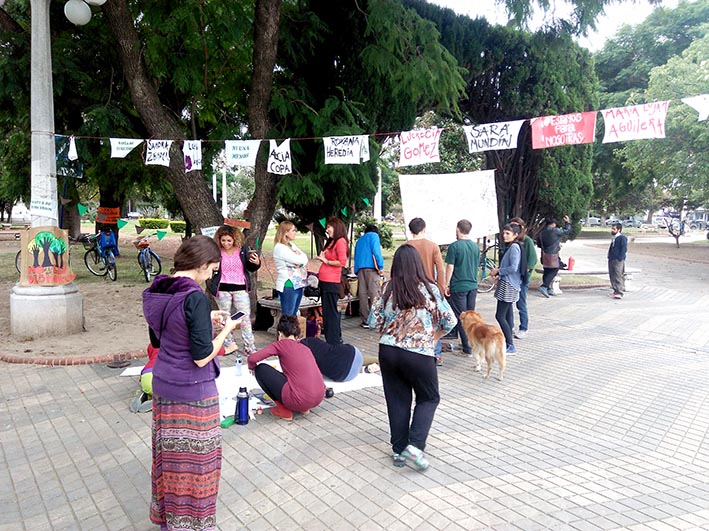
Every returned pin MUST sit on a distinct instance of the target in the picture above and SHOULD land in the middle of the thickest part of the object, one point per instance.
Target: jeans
(522, 305)
(505, 318)
(460, 302)
(290, 300)
(404, 371)
(367, 290)
(331, 325)
(240, 302)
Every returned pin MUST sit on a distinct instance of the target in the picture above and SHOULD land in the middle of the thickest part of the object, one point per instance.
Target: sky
(624, 12)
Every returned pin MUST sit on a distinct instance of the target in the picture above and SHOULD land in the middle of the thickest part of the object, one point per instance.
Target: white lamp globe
(77, 12)
(95, 2)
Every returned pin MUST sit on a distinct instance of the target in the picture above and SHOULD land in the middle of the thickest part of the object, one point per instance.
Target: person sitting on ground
(143, 401)
(339, 363)
(300, 387)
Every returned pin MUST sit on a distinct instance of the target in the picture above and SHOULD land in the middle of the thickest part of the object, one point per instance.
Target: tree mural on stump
(34, 249)
(45, 239)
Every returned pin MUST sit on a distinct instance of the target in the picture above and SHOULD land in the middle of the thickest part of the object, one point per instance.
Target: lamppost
(46, 310)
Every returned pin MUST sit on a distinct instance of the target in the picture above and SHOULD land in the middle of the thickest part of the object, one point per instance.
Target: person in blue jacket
(616, 260)
(368, 265)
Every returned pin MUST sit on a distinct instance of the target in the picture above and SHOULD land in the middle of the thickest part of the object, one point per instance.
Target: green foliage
(386, 235)
(177, 226)
(154, 223)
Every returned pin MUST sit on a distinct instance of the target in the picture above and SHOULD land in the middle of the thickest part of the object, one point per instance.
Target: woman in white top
(290, 264)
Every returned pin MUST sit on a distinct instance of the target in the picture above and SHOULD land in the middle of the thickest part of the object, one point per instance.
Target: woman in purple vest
(187, 441)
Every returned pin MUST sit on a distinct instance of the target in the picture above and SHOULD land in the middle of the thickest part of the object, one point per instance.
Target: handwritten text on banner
(346, 149)
(158, 153)
(192, 150)
(635, 122)
(419, 146)
(241, 152)
(563, 130)
(120, 147)
(279, 159)
(489, 137)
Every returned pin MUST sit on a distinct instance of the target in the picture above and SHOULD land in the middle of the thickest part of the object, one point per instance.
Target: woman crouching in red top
(300, 386)
(333, 258)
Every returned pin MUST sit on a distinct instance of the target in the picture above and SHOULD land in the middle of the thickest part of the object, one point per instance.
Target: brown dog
(486, 341)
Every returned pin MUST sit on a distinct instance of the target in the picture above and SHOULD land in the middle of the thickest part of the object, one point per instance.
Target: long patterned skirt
(187, 462)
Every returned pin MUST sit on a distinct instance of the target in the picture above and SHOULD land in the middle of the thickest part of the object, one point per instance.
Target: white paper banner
(158, 153)
(364, 148)
(699, 104)
(635, 122)
(73, 155)
(209, 231)
(489, 137)
(279, 159)
(419, 147)
(192, 151)
(120, 147)
(343, 149)
(241, 152)
(443, 200)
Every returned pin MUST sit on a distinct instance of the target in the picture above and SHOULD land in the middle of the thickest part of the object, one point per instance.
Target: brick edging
(62, 361)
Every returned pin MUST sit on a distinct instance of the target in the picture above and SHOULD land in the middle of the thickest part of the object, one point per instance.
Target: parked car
(592, 221)
(612, 220)
(133, 215)
(631, 222)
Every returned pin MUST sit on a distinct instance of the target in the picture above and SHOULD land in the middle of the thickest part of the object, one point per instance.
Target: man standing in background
(368, 264)
(462, 261)
(616, 260)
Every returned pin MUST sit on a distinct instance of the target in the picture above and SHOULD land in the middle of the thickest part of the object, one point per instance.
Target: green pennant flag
(344, 211)
(366, 201)
(323, 222)
(82, 209)
(161, 234)
(121, 223)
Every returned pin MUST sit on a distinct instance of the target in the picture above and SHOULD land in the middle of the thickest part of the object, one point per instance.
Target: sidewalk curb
(61, 361)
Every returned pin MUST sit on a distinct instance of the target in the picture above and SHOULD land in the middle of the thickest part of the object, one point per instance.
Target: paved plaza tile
(601, 423)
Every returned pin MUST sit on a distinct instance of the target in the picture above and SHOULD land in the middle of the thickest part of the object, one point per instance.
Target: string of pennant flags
(421, 146)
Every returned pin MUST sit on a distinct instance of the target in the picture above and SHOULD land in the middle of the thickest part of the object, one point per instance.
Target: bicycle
(148, 260)
(97, 264)
(488, 261)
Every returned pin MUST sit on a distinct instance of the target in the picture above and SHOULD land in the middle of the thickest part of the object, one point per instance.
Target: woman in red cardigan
(333, 258)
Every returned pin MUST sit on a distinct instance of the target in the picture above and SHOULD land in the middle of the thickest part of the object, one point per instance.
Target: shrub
(154, 223)
(178, 226)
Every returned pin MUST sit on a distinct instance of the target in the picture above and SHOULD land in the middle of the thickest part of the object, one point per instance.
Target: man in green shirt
(462, 261)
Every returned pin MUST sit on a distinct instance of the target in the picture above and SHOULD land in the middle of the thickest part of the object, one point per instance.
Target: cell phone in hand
(237, 315)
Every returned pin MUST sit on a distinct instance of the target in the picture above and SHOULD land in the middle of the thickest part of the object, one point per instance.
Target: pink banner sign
(563, 130)
(635, 122)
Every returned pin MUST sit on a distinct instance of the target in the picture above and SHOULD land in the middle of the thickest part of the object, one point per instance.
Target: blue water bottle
(242, 407)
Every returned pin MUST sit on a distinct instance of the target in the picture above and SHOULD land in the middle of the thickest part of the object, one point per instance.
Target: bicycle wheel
(486, 284)
(18, 261)
(146, 264)
(111, 266)
(155, 263)
(94, 262)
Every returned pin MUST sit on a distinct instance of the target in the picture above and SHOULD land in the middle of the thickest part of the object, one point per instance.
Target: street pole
(39, 310)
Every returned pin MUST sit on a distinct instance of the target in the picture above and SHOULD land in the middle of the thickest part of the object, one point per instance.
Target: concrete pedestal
(39, 311)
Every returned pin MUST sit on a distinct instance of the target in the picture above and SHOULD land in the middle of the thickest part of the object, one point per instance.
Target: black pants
(548, 276)
(460, 302)
(506, 319)
(404, 371)
(270, 380)
(331, 317)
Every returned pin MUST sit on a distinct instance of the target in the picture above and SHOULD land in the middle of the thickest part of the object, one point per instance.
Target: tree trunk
(190, 188)
(263, 204)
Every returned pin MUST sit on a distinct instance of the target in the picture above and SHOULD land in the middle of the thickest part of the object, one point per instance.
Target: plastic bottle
(239, 363)
(242, 407)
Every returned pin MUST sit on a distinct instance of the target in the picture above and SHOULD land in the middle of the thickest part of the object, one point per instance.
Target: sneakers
(281, 412)
(399, 460)
(415, 457)
(615, 295)
(364, 325)
(142, 403)
(372, 368)
(544, 291)
(551, 292)
(439, 361)
(520, 334)
(511, 350)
